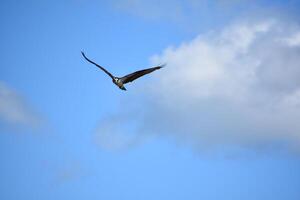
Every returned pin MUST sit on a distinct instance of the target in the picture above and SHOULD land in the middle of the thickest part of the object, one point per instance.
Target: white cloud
(187, 14)
(293, 40)
(243, 72)
(14, 109)
(236, 86)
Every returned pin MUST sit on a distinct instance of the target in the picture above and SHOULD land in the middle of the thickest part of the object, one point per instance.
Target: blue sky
(219, 122)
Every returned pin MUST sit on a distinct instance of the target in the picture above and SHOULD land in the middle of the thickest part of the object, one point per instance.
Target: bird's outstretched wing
(102, 68)
(131, 77)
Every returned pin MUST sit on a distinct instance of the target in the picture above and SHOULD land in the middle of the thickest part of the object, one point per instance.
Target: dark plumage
(120, 81)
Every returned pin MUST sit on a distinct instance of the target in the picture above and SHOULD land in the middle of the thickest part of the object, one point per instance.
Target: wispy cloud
(118, 133)
(293, 40)
(236, 86)
(197, 15)
(14, 109)
(152, 10)
(69, 172)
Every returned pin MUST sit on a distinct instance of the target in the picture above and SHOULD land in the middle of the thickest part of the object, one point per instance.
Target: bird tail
(122, 87)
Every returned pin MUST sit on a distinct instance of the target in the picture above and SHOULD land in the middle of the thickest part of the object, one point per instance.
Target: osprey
(120, 81)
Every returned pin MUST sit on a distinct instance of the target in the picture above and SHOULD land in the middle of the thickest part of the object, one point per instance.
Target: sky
(220, 121)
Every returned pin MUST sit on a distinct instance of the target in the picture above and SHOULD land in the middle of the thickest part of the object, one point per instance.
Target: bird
(121, 81)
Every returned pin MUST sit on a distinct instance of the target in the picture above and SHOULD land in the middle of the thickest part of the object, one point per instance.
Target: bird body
(121, 81)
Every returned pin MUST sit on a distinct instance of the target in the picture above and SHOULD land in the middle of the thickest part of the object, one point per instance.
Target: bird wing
(102, 68)
(131, 77)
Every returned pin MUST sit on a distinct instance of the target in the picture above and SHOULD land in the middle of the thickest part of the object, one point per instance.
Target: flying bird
(121, 81)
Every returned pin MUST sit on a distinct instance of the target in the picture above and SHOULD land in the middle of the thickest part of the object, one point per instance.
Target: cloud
(238, 86)
(183, 13)
(293, 40)
(14, 110)
(116, 134)
(151, 9)
(69, 172)
(198, 15)
(245, 73)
